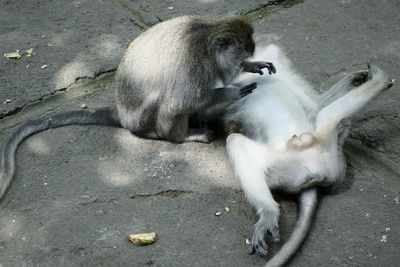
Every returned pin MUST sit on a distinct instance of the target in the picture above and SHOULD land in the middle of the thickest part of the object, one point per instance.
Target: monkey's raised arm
(257, 66)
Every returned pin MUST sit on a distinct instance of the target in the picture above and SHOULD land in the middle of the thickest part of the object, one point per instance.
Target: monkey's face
(230, 52)
(232, 44)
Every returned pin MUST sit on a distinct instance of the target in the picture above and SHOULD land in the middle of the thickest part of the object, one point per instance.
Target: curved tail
(307, 204)
(105, 116)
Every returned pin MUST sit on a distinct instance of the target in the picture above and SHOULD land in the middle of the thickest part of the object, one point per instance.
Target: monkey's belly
(274, 107)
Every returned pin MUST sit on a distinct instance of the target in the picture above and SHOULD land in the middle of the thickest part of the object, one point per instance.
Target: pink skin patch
(305, 140)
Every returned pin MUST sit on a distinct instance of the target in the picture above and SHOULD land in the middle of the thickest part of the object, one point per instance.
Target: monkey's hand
(257, 66)
(247, 89)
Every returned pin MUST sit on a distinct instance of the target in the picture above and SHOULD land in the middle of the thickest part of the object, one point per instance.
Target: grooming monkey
(168, 73)
(287, 136)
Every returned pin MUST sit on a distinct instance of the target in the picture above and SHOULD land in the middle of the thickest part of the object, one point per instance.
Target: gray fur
(168, 73)
(171, 71)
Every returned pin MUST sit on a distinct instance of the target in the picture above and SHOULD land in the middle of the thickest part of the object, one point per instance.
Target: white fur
(283, 105)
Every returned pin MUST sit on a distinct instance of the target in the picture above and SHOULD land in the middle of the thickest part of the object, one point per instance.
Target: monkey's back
(168, 67)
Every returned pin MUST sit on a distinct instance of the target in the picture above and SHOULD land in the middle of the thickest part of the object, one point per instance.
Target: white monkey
(285, 135)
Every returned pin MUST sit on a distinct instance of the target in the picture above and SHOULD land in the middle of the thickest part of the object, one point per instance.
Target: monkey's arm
(231, 93)
(249, 159)
(257, 66)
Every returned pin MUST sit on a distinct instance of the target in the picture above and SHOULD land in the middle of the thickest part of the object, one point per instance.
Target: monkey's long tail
(104, 116)
(308, 201)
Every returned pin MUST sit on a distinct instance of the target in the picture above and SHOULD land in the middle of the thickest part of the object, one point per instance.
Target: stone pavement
(79, 191)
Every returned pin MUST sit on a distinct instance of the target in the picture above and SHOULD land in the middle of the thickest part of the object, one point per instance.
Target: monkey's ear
(220, 44)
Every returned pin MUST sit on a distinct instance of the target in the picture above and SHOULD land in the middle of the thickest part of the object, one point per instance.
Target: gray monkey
(168, 73)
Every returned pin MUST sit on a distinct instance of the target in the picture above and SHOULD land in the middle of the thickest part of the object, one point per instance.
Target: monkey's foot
(359, 78)
(201, 135)
(314, 180)
(261, 228)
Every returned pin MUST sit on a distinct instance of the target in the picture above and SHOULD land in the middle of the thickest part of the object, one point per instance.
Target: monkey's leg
(367, 84)
(248, 159)
(176, 130)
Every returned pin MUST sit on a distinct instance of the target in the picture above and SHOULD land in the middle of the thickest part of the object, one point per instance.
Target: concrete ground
(79, 191)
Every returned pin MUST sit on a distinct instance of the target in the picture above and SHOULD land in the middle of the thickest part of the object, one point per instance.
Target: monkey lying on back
(286, 136)
(168, 73)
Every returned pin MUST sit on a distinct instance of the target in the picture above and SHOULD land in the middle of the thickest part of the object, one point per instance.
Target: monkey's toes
(360, 78)
(258, 245)
(208, 136)
(274, 231)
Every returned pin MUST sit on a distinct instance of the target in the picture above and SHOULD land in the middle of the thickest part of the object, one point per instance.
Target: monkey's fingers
(245, 90)
(271, 68)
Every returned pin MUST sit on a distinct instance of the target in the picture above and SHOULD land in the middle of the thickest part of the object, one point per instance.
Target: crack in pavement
(37, 109)
(169, 193)
(81, 79)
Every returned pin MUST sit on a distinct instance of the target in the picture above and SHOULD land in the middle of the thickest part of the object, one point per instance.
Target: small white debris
(387, 229)
(350, 257)
(45, 183)
(218, 213)
(248, 241)
(84, 106)
(361, 189)
(384, 238)
(43, 36)
(27, 66)
(29, 52)
(227, 209)
(13, 55)
(102, 158)
(7, 101)
(44, 66)
(366, 215)
(385, 196)
(49, 44)
(170, 7)
(396, 199)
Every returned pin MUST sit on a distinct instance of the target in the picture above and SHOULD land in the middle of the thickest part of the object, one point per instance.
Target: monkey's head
(232, 43)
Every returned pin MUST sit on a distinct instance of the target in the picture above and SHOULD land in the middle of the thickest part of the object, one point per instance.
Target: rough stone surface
(80, 191)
